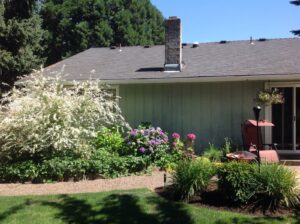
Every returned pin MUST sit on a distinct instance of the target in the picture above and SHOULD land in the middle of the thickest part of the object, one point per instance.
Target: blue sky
(215, 20)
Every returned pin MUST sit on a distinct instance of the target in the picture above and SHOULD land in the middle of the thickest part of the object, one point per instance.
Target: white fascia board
(289, 77)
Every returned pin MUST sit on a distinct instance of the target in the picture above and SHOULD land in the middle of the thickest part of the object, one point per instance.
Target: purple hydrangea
(142, 150)
(146, 140)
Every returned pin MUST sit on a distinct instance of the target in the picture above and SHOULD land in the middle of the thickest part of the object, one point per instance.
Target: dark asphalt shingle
(236, 58)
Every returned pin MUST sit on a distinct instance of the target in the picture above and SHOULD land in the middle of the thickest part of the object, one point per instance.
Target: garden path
(297, 169)
(155, 180)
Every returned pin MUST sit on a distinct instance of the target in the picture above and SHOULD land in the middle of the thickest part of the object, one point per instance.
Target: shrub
(162, 157)
(192, 177)
(237, 181)
(44, 118)
(67, 168)
(277, 186)
(112, 141)
(18, 172)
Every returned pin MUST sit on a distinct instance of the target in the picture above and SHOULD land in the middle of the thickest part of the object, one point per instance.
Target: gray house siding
(210, 110)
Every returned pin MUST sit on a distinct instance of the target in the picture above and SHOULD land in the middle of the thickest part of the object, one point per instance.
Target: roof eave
(278, 77)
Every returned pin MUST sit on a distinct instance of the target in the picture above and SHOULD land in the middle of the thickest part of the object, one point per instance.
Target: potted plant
(269, 97)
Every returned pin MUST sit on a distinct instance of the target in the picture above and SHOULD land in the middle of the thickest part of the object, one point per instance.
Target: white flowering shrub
(45, 117)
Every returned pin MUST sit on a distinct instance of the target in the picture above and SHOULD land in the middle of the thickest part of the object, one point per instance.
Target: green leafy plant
(277, 186)
(213, 153)
(216, 154)
(227, 147)
(237, 181)
(191, 177)
(18, 172)
(111, 140)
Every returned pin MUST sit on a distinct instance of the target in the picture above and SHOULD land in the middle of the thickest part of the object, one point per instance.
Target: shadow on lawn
(11, 211)
(258, 220)
(126, 208)
(118, 209)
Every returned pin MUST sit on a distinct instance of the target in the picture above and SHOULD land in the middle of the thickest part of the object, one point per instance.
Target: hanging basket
(269, 97)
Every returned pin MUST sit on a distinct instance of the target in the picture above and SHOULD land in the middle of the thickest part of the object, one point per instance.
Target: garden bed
(212, 198)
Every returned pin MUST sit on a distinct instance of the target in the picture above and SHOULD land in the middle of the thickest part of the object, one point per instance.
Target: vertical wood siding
(212, 111)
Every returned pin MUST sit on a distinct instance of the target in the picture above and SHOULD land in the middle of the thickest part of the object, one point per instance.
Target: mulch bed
(214, 199)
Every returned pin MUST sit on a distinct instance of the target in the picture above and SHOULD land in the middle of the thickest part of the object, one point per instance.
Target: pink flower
(191, 136)
(176, 136)
(174, 144)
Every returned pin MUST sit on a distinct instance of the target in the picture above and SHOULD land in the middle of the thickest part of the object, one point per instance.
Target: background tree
(20, 38)
(73, 26)
(296, 2)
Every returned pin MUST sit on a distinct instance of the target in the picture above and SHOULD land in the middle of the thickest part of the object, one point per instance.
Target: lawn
(134, 206)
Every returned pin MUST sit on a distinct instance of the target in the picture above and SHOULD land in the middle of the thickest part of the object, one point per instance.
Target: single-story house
(204, 88)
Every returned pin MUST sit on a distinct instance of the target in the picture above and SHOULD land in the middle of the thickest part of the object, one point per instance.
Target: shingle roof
(236, 58)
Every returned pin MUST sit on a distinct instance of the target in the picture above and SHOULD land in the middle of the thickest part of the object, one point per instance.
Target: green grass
(132, 207)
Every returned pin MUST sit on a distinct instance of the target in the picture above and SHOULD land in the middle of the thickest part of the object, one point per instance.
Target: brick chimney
(173, 52)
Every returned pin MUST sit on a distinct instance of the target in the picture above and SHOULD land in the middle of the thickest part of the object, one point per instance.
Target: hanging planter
(269, 97)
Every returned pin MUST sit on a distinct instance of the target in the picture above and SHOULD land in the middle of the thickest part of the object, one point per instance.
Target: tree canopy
(20, 38)
(297, 3)
(31, 30)
(73, 26)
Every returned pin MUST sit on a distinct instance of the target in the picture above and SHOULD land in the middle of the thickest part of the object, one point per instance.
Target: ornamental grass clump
(267, 187)
(277, 187)
(213, 153)
(44, 117)
(191, 177)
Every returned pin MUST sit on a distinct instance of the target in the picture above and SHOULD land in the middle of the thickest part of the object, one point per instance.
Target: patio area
(297, 170)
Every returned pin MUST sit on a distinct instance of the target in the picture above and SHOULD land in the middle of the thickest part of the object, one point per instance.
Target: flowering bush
(176, 143)
(44, 117)
(146, 140)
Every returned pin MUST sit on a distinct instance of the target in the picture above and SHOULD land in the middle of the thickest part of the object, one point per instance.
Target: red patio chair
(267, 152)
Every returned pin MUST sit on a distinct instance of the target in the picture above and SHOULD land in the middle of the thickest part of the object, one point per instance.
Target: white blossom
(45, 116)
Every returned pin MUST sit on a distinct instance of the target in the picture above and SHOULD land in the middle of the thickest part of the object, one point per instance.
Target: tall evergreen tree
(297, 3)
(73, 26)
(20, 37)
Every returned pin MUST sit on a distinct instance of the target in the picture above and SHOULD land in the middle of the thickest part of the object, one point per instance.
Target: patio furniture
(253, 141)
(244, 156)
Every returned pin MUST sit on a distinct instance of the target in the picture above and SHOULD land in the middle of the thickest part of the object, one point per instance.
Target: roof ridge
(201, 43)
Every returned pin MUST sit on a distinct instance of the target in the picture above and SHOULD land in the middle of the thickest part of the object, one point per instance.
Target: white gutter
(288, 77)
